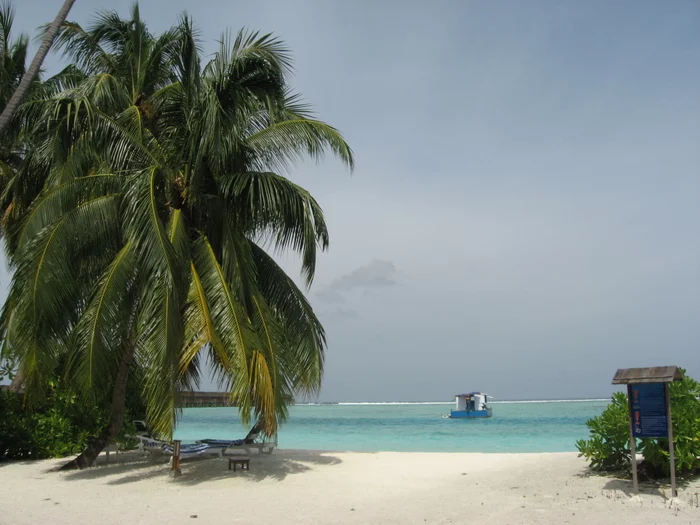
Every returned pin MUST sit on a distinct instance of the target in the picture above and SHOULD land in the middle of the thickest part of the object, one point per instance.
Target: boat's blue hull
(463, 414)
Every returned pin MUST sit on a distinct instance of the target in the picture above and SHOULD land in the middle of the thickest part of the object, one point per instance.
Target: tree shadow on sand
(620, 485)
(661, 488)
(10, 462)
(133, 468)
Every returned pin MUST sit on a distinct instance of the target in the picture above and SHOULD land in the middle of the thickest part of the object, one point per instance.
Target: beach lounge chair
(154, 446)
(255, 440)
(141, 428)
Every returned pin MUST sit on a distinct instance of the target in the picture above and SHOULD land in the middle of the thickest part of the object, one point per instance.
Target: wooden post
(633, 442)
(175, 467)
(671, 451)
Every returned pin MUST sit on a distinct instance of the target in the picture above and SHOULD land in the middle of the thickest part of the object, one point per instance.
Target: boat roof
(471, 394)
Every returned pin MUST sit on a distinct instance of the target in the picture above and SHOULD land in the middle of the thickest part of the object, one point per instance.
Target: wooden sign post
(633, 441)
(649, 403)
(175, 465)
(671, 451)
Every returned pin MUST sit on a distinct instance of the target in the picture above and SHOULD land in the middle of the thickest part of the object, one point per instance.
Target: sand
(291, 487)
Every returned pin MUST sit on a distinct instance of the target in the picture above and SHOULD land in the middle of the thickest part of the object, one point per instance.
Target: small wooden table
(244, 463)
(111, 448)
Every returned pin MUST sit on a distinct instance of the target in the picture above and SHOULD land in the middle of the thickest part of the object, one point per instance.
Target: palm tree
(10, 106)
(17, 192)
(148, 244)
(13, 53)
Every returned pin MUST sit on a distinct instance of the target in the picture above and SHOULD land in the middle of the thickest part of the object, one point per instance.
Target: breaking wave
(503, 402)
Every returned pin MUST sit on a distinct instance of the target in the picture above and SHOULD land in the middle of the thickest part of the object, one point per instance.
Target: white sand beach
(340, 488)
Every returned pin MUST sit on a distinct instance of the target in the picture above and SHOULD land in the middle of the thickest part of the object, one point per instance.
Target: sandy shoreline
(343, 488)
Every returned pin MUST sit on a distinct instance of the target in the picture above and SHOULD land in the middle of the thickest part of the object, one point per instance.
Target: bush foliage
(609, 445)
(608, 448)
(60, 426)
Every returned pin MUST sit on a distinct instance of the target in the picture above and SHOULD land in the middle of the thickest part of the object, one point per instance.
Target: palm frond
(45, 288)
(54, 203)
(272, 207)
(200, 331)
(83, 48)
(295, 107)
(267, 372)
(285, 143)
(160, 326)
(105, 327)
(144, 224)
(237, 263)
(293, 311)
(185, 59)
(161, 322)
(232, 326)
(7, 18)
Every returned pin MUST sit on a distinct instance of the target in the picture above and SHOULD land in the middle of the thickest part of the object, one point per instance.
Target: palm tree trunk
(34, 68)
(17, 382)
(88, 456)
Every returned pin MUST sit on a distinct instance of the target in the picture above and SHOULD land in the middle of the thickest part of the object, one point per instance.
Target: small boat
(471, 405)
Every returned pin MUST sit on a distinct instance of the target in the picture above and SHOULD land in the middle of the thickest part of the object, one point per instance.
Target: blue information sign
(649, 417)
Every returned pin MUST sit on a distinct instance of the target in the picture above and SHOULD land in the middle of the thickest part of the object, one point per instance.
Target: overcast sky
(525, 213)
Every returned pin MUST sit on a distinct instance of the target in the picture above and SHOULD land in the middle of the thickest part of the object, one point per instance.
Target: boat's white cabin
(471, 402)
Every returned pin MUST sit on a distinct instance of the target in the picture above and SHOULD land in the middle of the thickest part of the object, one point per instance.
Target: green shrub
(66, 423)
(608, 448)
(685, 412)
(15, 429)
(61, 426)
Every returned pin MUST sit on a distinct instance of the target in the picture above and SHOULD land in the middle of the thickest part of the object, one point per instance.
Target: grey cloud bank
(376, 274)
(524, 215)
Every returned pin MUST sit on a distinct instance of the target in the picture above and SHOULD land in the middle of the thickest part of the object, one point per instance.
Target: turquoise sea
(519, 426)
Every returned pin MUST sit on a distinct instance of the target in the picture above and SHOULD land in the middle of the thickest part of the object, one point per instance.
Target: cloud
(376, 274)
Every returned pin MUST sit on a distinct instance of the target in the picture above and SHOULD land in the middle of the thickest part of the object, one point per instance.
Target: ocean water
(521, 426)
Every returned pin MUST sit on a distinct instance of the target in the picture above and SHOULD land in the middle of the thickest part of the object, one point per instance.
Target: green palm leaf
(45, 286)
(106, 324)
(285, 143)
(272, 207)
(231, 324)
(52, 204)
